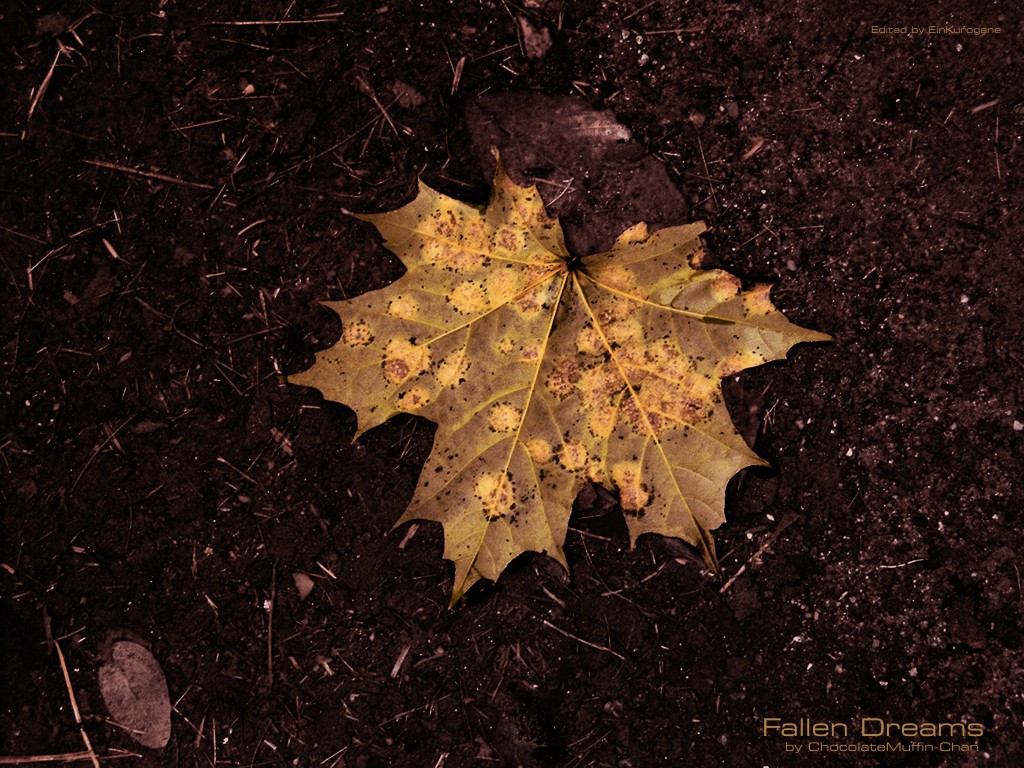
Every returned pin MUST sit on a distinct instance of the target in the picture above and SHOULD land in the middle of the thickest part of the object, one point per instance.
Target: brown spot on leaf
(469, 298)
(625, 332)
(433, 252)
(539, 450)
(474, 236)
(403, 359)
(601, 422)
(441, 254)
(445, 223)
(452, 369)
(633, 414)
(563, 378)
(612, 308)
(414, 399)
(537, 272)
(530, 352)
(573, 455)
(659, 405)
(503, 286)
(532, 301)
(403, 307)
(599, 385)
(757, 302)
(464, 259)
(736, 363)
(589, 342)
(633, 495)
(504, 417)
(357, 334)
(496, 492)
(396, 371)
(509, 239)
(725, 286)
(620, 279)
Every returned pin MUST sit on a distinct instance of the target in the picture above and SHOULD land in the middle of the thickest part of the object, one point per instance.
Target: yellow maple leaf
(544, 372)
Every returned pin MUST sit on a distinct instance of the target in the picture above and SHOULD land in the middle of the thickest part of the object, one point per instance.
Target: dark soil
(172, 213)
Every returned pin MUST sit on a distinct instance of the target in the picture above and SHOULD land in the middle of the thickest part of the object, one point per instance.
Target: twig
(595, 646)
(640, 10)
(677, 31)
(248, 477)
(96, 453)
(190, 126)
(400, 660)
(366, 88)
(769, 539)
(61, 51)
(325, 19)
(256, 223)
(67, 757)
(408, 535)
(270, 629)
(251, 335)
(27, 237)
(758, 143)
(999, 173)
(752, 239)
(903, 565)
(111, 250)
(457, 74)
(148, 174)
(74, 705)
(707, 173)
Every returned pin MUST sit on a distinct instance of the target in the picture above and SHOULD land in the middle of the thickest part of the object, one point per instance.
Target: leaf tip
(299, 379)
(809, 336)
(636, 234)
(465, 577)
(706, 547)
(559, 556)
(500, 174)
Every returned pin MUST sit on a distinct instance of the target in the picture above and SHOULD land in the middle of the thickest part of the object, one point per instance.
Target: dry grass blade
(327, 18)
(66, 757)
(74, 707)
(41, 91)
(148, 174)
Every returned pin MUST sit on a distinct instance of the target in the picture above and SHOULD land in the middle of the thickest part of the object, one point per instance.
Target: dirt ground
(173, 183)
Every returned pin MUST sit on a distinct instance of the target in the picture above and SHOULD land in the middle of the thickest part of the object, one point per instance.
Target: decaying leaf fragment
(544, 372)
(134, 689)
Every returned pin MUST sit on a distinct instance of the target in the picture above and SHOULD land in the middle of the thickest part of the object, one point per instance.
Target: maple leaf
(544, 371)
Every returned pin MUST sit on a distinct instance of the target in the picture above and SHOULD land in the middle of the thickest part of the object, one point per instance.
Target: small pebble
(303, 584)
